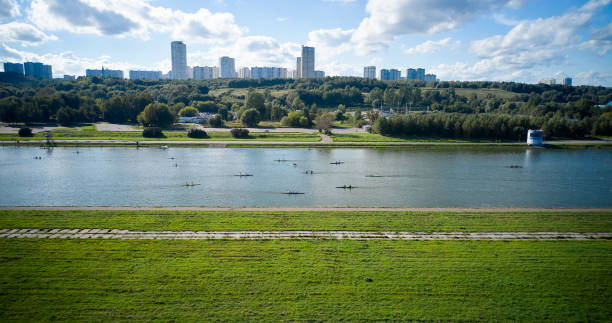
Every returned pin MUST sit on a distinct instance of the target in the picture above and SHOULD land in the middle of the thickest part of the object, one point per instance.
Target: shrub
(216, 121)
(152, 132)
(25, 132)
(240, 133)
(196, 133)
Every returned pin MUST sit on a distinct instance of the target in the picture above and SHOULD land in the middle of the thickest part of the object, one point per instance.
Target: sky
(497, 40)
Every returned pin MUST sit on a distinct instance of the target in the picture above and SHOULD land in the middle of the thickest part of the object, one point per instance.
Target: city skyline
(513, 40)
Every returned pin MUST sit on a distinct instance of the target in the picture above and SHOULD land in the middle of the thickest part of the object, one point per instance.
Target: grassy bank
(89, 133)
(309, 220)
(90, 280)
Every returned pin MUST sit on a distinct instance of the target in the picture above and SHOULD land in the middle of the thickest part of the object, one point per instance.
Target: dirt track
(294, 235)
(315, 209)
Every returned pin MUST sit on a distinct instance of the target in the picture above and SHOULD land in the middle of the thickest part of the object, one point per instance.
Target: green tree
(188, 112)
(157, 114)
(325, 121)
(114, 110)
(255, 100)
(216, 121)
(250, 118)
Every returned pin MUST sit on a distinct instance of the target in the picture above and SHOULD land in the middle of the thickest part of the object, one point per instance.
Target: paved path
(325, 138)
(297, 209)
(295, 235)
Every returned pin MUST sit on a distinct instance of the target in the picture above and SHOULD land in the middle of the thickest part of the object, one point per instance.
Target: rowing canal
(121, 176)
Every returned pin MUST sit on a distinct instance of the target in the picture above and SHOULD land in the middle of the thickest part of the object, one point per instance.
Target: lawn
(317, 280)
(310, 220)
(89, 133)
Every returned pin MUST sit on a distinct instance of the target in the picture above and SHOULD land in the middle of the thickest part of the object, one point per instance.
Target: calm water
(419, 178)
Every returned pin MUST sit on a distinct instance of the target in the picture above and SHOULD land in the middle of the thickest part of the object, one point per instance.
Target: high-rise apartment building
(244, 73)
(298, 68)
(548, 81)
(37, 70)
(13, 68)
(411, 74)
(420, 74)
(369, 72)
(203, 72)
(390, 74)
(319, 73)
(227, 67)
(215, 72)
(145, 75)
(178, 51)
(308, 62)
(566, 81)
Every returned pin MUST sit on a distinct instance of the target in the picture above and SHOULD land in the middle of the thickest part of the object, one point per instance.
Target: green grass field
(318, 280)
(88, 133)
(305, 280)
(310, 220)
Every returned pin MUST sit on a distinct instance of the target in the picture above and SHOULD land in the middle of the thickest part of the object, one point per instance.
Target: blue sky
(508, 40)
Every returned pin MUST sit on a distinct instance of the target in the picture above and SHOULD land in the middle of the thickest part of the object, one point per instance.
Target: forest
(483, 109)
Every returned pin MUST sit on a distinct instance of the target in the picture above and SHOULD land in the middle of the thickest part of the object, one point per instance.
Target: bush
(216, 121)
(25, 132)
(152, 132)
(196, 133)
(240, 133)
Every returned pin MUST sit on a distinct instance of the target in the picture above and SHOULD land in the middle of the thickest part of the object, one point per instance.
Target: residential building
(216, 73)
(227, 67)
(13, 68)
(548, 81)
(244, 73)
(308, 62)
(319, 73)
(566, 81)
(69, 77)
(203, 72)
(411, 74)
(369, 72)
(430, 78)
(420, 74)
(268, 72)
(178, 51)
(145, 75)
(390, 74)
(298, 68)
(104, 73)
(37, 70)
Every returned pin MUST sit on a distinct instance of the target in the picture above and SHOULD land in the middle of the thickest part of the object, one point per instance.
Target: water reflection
(378, 177)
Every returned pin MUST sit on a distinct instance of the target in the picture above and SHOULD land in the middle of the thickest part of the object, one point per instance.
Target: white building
(548, 81)
(369, 72)
(268, 72)
(244, 73)
(104, 73)
(203, 72)
(178, 51)
(227, 67)
(535, 137)
(145, 75)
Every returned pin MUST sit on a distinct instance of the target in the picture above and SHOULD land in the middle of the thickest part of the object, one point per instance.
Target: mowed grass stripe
(93, 280)
(309, 220)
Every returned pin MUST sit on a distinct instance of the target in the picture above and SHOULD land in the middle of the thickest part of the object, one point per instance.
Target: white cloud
(515, 4)
(601, 42)
(9, 9)
(23, 33)
(343, 1)
(335, 68)
(593, 78)
(137, 18)
(527, 47)
(430, 46)
(330, 42)
(389, 19)
(281, 19)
